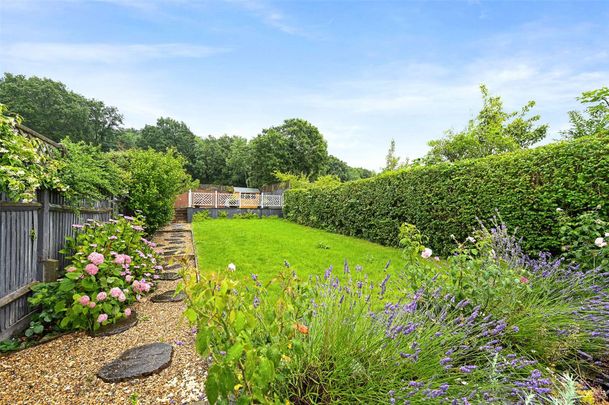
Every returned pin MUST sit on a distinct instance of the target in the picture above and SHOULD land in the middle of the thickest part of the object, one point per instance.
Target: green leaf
(234, 353)
(66, 285)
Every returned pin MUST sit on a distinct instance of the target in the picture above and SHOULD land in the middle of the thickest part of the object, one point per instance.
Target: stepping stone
(138, 362)
(118, 327)
(167, 276)
(173, 267)
(168, 296)
(170, 252)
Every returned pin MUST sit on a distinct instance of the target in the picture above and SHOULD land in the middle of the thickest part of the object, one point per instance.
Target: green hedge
(526, 187)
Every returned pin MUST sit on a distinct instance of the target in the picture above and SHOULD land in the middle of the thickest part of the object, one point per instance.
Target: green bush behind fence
(525, 187)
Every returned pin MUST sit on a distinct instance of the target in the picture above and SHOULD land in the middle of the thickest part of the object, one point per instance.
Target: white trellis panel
(226, 200)
(202, 199)
(272, 201)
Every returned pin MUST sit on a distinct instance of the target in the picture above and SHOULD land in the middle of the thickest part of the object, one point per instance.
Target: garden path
(64, 370)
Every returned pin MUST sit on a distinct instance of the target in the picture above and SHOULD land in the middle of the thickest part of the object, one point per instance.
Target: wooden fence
(31, 236)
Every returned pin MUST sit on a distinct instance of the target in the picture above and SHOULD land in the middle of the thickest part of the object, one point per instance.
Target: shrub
(246, 335)
(90, 174)
(112, 264)
(155, 180)
(222, 214)
(201, 216)
(446, 199)
(25, 164)
(584, 239)
(246, 215)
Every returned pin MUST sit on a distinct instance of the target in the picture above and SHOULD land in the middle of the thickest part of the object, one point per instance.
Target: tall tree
(50, 108)
(595, 119)
(392, 162)
(169, 133)
(492, 131)
(296, 147)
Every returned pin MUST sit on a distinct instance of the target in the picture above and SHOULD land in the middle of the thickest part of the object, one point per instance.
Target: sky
(363, 72)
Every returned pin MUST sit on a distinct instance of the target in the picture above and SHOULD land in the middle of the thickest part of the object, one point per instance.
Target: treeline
(296, 146)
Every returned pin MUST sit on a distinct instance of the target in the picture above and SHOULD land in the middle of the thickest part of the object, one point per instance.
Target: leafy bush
(90, 173)
(584, 239)
(155, 180)
(222, 214)
(245, 334)
(201, 216)
(25, 164)
(112, 264)
(246, 215)
(446, 199)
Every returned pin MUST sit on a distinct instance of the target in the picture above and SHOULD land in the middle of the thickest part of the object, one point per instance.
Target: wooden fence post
(262, 200)
(189, 198)
(216, 199)
(43, 233)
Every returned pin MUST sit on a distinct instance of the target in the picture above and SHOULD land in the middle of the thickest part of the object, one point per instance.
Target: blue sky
(362, 71)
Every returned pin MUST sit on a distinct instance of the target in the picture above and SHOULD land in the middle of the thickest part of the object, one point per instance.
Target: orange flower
(301, 328)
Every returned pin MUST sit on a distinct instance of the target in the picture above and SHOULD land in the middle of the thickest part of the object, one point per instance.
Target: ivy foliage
(25, 164)
(526, 188)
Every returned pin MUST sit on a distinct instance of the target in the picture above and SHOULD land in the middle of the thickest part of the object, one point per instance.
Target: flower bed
(112, 266)
(489, 324)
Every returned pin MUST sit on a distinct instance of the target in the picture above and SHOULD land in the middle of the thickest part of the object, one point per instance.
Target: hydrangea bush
(111, 266)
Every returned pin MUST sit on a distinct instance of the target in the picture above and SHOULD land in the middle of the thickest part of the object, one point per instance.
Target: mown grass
(260, 246)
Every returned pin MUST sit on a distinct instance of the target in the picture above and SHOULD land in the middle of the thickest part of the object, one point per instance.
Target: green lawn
(260, 246)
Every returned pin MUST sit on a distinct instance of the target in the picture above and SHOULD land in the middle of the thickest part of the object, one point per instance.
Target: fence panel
(31, 234)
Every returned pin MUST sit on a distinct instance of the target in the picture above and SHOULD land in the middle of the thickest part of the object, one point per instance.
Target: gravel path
(64, 370)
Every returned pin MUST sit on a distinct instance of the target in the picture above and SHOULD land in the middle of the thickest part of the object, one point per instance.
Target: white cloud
(102, 52)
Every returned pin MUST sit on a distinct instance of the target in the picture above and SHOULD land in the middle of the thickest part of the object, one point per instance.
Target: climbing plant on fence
(525, 187)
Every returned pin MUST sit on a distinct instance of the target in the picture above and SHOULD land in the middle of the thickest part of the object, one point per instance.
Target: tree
(296, 146)
(223, 160)
(338, 168)
(492, 131)
(169, 133)
(595, 119)
(392, 162)
(50, 108)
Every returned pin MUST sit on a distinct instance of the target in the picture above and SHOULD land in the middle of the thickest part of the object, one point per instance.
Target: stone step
(168, 296)
(118, 327)
(138, 362)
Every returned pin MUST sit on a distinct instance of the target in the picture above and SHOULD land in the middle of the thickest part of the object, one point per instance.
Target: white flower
(600, 242)
(232, 267)
(558, 209)
(607, 235)
(426, 253)
(471, 239)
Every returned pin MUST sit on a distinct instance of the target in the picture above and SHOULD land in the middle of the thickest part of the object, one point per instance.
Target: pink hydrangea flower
(102, 318)
(113, 237)
(92, 304)
(71, 269)
(122, 297)
(84, 300)
(127, 312)
(122, 259)
(156, 277)
(115, 292)
(96, 258)
(128, 278)
(91, 269)
(102, 296)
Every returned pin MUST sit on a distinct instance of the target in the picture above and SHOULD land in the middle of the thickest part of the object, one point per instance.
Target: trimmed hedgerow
(525, 187)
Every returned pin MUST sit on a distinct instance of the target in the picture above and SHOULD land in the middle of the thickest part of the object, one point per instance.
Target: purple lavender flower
(467, 368)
